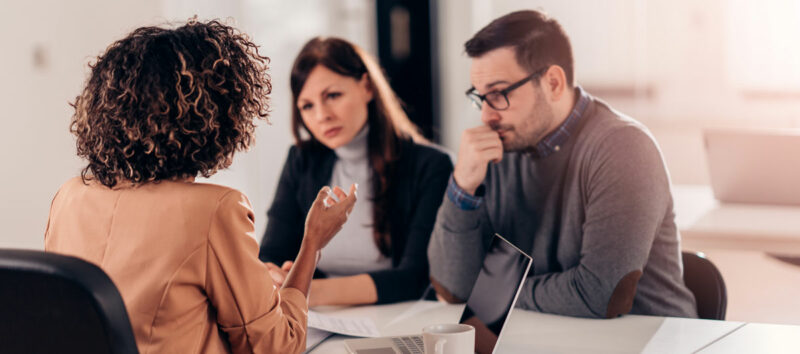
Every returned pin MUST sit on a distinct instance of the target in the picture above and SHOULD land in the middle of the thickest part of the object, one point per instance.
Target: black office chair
(706, 283)
(51, 303)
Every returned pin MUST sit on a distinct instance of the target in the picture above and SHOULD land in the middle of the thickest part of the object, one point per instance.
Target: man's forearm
(456, 249)
(575, 292)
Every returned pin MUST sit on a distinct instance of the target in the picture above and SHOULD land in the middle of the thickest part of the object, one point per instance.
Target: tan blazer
(182, 255)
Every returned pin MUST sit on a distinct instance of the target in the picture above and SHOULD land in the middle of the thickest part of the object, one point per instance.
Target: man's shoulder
(606, 126)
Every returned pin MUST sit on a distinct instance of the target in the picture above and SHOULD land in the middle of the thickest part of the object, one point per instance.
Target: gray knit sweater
(595, 210)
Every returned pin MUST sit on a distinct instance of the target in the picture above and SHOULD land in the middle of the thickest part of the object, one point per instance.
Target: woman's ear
(366, 85)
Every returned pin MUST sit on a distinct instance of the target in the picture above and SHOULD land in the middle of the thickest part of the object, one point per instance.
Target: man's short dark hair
(537, 40)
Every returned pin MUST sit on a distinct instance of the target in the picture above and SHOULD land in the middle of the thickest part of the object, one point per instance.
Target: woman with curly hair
(349, 127)
(162, 106)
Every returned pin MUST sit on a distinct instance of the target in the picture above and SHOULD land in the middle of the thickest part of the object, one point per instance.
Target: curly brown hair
(170, 103)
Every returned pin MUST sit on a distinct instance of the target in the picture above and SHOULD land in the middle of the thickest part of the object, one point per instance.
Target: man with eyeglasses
(563, 176)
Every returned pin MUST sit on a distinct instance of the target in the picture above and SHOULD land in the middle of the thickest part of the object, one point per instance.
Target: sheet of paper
(416, 309)
(351, 326)
(314, 337)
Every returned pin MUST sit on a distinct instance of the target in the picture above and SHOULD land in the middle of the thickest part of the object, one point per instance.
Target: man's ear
(554, 83)
(366, 84)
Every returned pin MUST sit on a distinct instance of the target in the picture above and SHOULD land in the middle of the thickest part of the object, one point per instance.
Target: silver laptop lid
(754, 166)
(495, 292)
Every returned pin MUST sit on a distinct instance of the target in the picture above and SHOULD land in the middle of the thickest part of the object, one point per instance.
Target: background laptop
(752, 166)
(493, 296)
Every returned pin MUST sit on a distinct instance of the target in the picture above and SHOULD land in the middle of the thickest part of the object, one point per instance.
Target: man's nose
(489, 115)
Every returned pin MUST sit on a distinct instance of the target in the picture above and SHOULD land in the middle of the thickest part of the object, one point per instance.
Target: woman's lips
(332, 132)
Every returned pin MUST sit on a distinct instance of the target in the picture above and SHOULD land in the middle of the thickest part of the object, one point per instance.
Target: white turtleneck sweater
(353, 251)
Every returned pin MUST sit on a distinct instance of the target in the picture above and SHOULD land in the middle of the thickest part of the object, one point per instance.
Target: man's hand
(479, 146)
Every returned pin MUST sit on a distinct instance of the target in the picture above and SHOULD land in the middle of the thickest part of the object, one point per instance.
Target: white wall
(38, 152)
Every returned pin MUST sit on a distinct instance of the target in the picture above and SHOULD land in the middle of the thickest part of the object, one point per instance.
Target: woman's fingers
(323, 194)
(332, 197)
(350, 201)
(271, 265)
(339, 193)
(277, 276)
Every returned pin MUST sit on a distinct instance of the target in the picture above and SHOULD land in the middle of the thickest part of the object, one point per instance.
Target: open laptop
(493, 297)
(754, 166)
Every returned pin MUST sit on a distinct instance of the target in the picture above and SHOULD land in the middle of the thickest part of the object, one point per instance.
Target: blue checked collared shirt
(547, 146)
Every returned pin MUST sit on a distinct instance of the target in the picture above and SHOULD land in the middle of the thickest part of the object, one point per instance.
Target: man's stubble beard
(532, 129)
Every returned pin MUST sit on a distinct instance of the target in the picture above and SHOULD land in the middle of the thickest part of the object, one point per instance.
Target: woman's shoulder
(210, 190)
(303, 157)
(72, 183)
(197, 200)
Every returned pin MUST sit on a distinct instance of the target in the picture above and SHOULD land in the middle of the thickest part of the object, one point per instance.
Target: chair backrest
(51, 303)
(705, 281)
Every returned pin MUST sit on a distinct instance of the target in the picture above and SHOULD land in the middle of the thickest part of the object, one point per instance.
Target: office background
(677, 66)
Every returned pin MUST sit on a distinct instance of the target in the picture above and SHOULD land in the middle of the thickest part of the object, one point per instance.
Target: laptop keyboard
(409, 345)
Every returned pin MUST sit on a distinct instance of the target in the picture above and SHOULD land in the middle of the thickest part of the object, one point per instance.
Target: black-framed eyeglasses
(498, 100)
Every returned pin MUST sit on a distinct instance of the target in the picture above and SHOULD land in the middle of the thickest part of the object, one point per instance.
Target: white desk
(707, 224)
(529, 331)
(758, 337)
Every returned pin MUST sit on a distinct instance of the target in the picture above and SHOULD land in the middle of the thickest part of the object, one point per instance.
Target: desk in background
(705, 223)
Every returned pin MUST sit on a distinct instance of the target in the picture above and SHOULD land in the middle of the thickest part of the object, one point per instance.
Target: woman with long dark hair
(349, 127)
(161, 107)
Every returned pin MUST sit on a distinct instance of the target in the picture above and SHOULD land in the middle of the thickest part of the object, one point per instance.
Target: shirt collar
(552, 142)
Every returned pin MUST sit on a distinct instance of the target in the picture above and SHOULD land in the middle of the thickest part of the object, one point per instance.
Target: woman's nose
(323, 113)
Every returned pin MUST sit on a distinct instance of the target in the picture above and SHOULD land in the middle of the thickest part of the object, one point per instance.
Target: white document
(351, 326)
(417, 308)
(314, 337)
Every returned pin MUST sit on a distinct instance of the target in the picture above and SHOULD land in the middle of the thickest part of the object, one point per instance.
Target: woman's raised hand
(327, 215)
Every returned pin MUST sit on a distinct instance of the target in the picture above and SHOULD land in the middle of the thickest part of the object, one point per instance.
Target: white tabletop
(529, 331)
(705, 223)
(758, 338)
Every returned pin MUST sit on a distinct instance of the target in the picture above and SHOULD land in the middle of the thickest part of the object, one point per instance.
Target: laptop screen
(495, 292)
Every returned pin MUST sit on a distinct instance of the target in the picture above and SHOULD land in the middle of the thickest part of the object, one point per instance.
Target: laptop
(493, 296)
(754, 166)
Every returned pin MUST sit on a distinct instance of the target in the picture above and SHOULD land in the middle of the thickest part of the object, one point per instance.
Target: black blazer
(420, 177)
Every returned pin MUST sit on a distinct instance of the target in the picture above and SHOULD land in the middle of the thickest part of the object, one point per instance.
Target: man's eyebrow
(495, 83)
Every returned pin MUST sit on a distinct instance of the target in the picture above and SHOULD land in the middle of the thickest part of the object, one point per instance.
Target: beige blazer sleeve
(257, 317)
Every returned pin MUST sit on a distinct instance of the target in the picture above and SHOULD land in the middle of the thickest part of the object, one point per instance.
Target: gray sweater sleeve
(626, 194)
(457, 247)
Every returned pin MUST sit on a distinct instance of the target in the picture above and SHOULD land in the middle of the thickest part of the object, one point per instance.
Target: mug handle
(439, 346)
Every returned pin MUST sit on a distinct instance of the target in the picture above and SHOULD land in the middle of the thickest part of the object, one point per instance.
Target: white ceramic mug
(449, 339)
